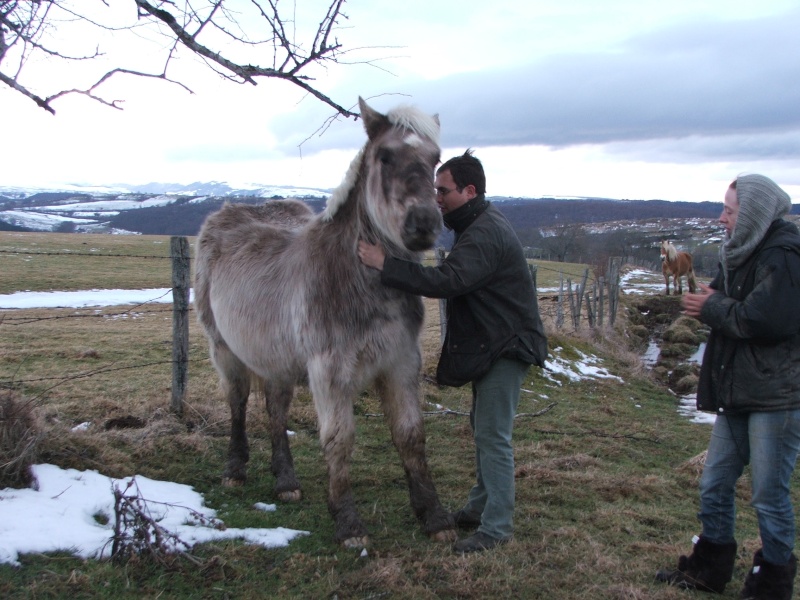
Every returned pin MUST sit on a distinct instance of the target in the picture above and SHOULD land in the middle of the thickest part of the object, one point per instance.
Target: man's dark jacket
(492, 310)
(752, 360)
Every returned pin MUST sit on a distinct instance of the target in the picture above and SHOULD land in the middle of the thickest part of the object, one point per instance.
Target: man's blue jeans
(495, 397)
(769, 442)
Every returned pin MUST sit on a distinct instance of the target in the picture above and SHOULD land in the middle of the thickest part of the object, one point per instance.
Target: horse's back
(237, 219)
(236, 243)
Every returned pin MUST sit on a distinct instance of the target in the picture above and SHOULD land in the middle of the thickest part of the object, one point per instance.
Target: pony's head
(397, 166)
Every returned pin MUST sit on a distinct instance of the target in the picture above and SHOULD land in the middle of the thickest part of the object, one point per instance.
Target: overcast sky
(622, 99)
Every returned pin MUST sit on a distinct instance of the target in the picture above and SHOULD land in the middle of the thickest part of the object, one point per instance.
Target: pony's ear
(436, 119)
(374, 122)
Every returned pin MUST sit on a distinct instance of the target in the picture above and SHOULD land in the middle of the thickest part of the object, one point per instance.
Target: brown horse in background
(676, 264)
(285, 301)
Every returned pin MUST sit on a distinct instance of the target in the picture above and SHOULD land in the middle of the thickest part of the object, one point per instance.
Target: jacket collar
(463, 216)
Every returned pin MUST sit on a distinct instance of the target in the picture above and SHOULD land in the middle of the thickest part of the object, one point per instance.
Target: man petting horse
(494, 333)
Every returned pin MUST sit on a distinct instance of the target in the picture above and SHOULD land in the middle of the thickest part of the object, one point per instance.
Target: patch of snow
(85, 298)
(688, 408)
(73, 511)
(575, 370)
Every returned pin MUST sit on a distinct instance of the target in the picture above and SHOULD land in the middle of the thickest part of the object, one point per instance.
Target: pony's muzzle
(421, 228)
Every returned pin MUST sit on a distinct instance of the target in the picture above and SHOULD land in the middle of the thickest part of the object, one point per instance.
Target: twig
(546, 409)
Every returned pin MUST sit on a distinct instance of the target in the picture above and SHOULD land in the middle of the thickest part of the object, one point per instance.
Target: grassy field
(606, 491)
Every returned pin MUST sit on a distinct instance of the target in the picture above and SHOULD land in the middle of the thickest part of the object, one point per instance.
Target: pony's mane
(405, 116)
(339, 195)
(672, 251)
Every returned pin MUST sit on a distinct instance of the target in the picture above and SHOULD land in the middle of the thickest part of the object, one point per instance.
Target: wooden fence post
(580, 292)
(179, 251)
(534, 270)
(571, 298)
(601, 306)
(613, 288)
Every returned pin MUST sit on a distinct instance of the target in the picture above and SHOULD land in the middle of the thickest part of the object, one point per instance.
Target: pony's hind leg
(235, 379)
(278, 398)
(692, 280)
(400, 401)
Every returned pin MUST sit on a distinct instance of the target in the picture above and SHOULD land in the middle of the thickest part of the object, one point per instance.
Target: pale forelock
(414, 119)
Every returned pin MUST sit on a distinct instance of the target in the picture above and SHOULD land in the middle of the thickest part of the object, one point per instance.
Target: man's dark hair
(466, 170)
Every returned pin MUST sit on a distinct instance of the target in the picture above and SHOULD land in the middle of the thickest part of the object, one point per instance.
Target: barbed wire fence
(180, 260)
(591, 297)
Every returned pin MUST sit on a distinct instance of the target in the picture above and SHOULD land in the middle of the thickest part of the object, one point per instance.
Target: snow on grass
(73, 511)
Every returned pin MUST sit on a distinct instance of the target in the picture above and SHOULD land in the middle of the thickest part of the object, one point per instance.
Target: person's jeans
(494, 404)
(769, 442)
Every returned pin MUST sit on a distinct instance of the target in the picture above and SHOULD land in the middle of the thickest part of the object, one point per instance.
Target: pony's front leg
(399, 393)
(337, 433)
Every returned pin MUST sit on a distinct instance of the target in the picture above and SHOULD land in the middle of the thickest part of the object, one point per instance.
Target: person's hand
(371, 255)
(693, 303)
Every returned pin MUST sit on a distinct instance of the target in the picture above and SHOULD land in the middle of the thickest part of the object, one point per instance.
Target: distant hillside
(183, 217)
(545, 212)
(566, 229)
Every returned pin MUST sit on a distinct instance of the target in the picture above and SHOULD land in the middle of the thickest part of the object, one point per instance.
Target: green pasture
(606, 486)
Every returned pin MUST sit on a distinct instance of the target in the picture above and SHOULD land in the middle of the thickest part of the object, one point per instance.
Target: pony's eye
(385, 156)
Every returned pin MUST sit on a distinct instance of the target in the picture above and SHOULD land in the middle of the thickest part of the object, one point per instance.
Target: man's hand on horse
(693, 303)
(371, 255)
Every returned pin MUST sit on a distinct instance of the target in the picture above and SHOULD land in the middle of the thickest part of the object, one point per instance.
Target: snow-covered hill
(91, 209)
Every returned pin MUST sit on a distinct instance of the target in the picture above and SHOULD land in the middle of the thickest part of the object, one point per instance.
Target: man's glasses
(444, 191)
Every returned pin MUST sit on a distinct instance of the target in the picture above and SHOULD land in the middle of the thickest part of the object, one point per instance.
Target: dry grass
(66, 262)
(19, 436)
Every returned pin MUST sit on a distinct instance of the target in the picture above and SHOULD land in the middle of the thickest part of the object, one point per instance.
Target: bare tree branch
(112, 103)
(208, 29)
(14, 85)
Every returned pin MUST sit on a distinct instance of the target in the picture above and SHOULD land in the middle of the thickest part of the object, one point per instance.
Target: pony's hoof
(231, 482)
(447, 536)
(290, 496)
(356, 543)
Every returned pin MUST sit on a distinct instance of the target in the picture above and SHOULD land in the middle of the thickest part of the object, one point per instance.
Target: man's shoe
(466, 520)
(478, 542)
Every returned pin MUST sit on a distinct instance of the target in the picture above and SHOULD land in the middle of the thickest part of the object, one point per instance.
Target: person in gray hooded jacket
(750, 377)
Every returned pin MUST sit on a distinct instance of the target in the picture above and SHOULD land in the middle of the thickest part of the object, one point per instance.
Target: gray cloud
(703, 79)
(784, 146)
